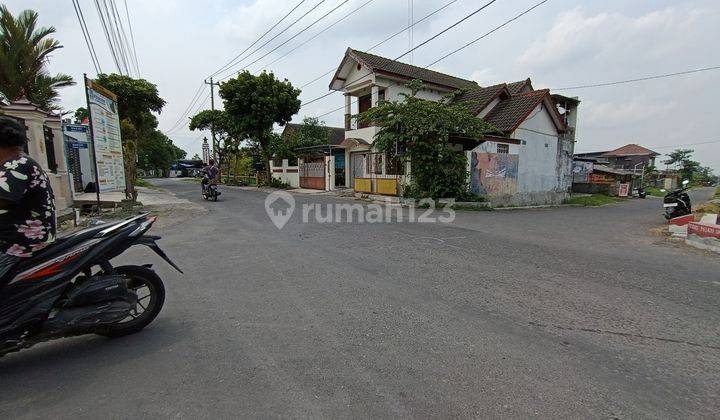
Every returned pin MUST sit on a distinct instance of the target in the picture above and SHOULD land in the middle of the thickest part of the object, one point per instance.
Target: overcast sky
(561, 43)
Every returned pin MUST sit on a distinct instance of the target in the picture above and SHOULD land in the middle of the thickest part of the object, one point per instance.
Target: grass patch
(140, 182)
(717, 192)
(655, 192)
(593, 200)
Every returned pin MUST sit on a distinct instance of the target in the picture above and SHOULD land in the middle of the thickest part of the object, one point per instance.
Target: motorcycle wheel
(215, 195)
(151, 297)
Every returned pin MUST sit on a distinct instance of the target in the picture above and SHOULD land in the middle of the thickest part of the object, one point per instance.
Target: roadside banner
(107, 143)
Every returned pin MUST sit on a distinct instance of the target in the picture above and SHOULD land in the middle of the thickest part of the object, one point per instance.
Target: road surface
(565, 312)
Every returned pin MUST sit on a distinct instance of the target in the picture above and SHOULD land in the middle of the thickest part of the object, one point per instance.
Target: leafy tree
(311, 132)
(196, 157)
(24, 53)
(424, 129)
(682, 158)
(157, 151)
(80, 114)
(225, 131)
(137, 100)
(255, 103)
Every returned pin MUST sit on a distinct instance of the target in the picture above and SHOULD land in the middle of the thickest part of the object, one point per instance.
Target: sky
(561, 43)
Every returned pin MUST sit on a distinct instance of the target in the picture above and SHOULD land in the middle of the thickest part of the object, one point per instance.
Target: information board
(107, 143)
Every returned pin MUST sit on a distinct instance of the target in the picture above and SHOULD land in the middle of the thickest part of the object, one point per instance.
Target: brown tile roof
(337, 134)
(479, 98)
(516, 87)
(510, 113)
(382, 64)
(631, 150)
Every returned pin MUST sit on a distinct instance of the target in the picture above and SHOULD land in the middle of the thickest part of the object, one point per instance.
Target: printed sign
(624, 190)
(102, 105)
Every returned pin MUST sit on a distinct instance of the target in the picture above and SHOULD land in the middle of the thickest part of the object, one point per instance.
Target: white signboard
(102, 105)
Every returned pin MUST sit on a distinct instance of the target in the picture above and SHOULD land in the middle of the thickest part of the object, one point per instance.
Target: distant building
(631, 157)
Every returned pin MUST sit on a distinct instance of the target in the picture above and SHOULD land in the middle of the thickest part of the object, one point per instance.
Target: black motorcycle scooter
(677, 202)
(71, 288)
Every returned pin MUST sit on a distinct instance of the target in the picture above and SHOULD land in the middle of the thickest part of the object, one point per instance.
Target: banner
(105, 123)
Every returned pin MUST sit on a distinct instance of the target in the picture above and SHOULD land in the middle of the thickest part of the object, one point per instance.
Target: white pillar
(375, 95)
(329, 173)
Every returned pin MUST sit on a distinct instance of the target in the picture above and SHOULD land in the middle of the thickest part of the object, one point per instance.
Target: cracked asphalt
(563, 312)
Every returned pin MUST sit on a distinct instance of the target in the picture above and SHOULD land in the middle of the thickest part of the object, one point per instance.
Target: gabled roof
(510, 113)
(516, 87)
(407, 71)
(337, 134)
(479, 98)
(631, 150)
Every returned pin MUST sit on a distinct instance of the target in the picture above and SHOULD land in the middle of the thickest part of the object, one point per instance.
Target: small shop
(601, 179)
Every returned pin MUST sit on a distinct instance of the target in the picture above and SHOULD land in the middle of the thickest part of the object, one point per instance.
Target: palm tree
(24, 53)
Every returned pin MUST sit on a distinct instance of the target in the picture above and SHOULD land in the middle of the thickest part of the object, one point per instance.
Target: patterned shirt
(27, 209)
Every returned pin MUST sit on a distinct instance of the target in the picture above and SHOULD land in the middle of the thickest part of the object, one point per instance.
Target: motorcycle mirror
(685, 182)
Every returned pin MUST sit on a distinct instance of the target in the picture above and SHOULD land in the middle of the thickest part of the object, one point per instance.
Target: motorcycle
(210, 192)
(71, 288)
(677, 202)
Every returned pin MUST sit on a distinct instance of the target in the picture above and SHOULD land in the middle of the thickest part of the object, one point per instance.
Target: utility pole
(212, 106)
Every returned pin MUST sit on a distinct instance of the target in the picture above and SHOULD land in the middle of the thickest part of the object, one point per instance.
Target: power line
(233, 61)
(132, 38)
(194, 99)
(640, 79)
(487, 33)
(385, 40)
(122, 35)
(197, 109)
(116, 38)
(107, 36)
(319, 33)
(411, 49)
(292, 37)
(88, 40)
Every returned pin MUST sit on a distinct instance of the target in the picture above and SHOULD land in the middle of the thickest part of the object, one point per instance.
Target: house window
(377, 165)
(503, 148)
(394, 165)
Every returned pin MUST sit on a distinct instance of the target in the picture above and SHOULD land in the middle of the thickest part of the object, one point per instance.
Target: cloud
(485, 77)
(627, 112)
(580, 38)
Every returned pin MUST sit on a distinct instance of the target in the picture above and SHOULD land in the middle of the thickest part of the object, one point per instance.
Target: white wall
(538, 154)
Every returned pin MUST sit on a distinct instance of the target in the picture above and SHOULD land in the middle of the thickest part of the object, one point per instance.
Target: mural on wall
(494, 174)
(581, 170)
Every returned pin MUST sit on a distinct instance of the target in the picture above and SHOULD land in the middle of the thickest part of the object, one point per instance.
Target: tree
(424, 128)
(157, 151)
(681, 157)
(221, 124)
(196, 157)
(80, 114)
(137, 100)
(255, 103)
(24, 53)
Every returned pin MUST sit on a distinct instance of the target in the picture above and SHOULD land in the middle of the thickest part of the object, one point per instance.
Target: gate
(374, 172)
(312, 174)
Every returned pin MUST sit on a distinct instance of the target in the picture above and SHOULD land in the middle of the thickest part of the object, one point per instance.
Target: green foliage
(219, 122)
(690, 169)
(24, 53)
(137, 100)
(80, 114)
(424, 128)
(254, 104)
(311, 132)
(157, 151)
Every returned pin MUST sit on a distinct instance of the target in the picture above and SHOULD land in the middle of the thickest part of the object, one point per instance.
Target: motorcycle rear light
(144, 226)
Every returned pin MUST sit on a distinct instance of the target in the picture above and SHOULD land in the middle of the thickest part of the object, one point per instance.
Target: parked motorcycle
(641, 193)
(677, 202)
(71, 288)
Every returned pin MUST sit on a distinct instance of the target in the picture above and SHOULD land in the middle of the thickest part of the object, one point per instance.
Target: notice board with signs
(107, 142)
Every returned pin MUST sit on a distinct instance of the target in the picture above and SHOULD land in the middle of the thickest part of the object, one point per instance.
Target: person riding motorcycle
(211, 175)
(27, 203)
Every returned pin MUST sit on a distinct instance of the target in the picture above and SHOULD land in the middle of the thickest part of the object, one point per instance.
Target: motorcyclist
(27, 204)
(211, 175)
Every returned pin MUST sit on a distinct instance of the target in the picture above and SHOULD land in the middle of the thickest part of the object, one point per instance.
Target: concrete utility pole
(212, 106)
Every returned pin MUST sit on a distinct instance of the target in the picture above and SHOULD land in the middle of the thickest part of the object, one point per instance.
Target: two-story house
(527, 160)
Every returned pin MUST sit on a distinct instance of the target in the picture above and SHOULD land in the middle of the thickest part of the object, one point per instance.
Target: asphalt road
(565, 312)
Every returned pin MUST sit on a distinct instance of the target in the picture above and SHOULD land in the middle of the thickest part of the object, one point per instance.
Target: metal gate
(372, 172)
(312, 174)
